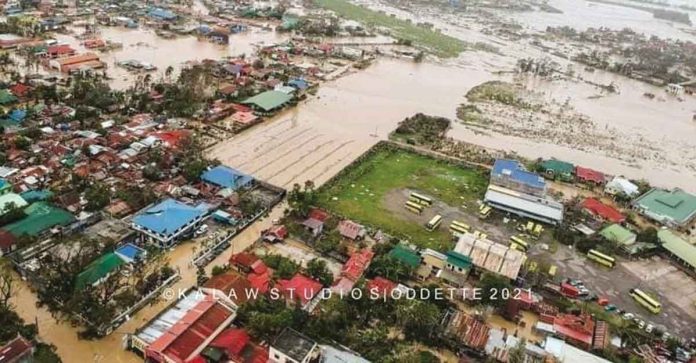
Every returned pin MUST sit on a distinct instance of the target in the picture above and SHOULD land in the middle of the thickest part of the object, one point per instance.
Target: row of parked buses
(417, 203)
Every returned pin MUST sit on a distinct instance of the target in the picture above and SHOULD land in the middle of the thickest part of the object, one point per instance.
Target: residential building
(351, 230)
(675, 208)
(524, 205)
(233, 345)
(226, 177)
(679, 249)
(557, 169)
(432, 263)
(182, 331)
(589, 176)
(161, 14)
(379, 286)
(621, 186)
(511, 174)
(267, 102)
(169, 221)
(500, 343)
(456, 270)
(575, 329)
(406, 256)
(291, 346)
(470, 330)
(17, 350)
(8, 243)
(5, 187)
(67, 64)
(618, 234)
(299, 289)
(602, 211)
(235, 287)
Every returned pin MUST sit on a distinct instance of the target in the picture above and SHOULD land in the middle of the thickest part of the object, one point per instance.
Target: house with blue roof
(513, 175)
(161, 14)
(168, 222)
(298, 83)
(226, 177)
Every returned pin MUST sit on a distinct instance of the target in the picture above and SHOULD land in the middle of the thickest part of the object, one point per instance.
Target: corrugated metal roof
(541, 209)
(678, 246)
(167, 217)
(514, 170)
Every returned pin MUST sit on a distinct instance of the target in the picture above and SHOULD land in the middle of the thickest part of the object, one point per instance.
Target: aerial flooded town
(347, 181)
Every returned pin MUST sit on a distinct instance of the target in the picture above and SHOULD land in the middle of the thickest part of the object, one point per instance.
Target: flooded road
(110, 349)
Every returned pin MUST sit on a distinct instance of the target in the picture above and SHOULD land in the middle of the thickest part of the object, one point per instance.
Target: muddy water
(144, 45)
(110, 348)
(582, 14)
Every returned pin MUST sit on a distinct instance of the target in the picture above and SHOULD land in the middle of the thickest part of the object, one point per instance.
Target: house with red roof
(275, 234)
(58, 51)
(356, 265)
(603, 211)
(235, 345)
(315, 221)
(17, 350)
(20, 90)
(258, 274)
(8, 242)
(232, 285)
(577, 330)
(587, 175)
(351, 230)
(300, 289)
(380, 286)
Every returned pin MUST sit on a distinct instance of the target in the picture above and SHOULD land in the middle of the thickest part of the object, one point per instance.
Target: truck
(566, 289)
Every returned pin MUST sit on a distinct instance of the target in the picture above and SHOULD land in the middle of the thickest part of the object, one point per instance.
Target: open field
(437, 43)
(364, 192)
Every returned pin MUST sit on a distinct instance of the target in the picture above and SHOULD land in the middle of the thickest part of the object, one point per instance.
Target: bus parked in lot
(519, 242)
(414, 207)
(485, 211)
(434, 223)
(420, 199)
(458, 228)
(601, 258)
(646, 301)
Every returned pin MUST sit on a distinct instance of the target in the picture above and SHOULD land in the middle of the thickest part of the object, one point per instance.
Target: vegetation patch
(359, 192)
(439, 44)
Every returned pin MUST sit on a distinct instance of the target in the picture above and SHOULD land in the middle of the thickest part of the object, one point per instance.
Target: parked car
(203, 229)
(610, 308)
(649, 328)
(628, 316)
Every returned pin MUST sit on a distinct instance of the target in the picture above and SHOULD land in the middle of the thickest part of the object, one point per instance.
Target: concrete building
(291, 346)
(620, 185)
(490, 256)
(673, 208)
(169, 221)
(511, 174)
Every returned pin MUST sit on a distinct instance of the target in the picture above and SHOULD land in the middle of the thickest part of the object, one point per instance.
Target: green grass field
(437, 43)
(359, 194)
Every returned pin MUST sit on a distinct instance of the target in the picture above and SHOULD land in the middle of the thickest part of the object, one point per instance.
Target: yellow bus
(516, 240)
(646, 301)
(434, 223)
(485, 211)
(420, 199)
(457, 227)
(414, 207)
(552, 270)
(601, 258)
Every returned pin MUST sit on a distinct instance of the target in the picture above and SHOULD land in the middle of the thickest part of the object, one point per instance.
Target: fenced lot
(365, 192)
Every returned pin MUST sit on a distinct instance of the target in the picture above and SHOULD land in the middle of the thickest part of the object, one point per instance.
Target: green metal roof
(617, 233)
(677, 246)
(406, 256)
(6, 97)
(41, 216)
(269, 100)
(675, 206)
(558, 166)
(456, 259)
(98, 269)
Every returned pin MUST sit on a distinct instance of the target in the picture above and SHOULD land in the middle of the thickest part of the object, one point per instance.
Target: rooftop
(558, 166)
(226, 177)
(167, 217)
(514, 170)
(406, 256)
(98, 269)
(15, 349)
(293, 344)
(11, 198)
(605, 211)
(617, 233)
(269, 100)
(545, 210)
(300, 287)
(41, 216)
(675, 206)
(678, 246)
